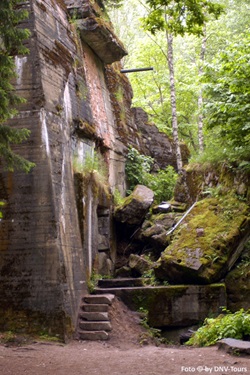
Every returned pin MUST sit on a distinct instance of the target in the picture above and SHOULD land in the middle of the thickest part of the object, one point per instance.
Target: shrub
(234, 325)
(93, 170)
(138, 168)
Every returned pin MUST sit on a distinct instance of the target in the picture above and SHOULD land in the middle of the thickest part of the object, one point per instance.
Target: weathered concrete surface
(50, 229)
(155, 228)
(119, 283)
(173, 306)
(155, 143)
(93, 335)
(94, 316)
(100, 37)
(135, 207)
(238, 284)
(139, 264)
(207, 244)
(54, 222)
(94, 307)
(95, 326)
(92, 22)
(106, 299)
(41, 262)
(197, 179)
(233, 346)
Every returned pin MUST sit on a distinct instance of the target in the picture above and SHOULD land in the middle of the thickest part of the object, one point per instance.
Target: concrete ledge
(173, 305)
(233, 346)
(97, 34)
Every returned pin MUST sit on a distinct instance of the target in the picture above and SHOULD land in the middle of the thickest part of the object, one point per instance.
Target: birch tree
(178, 18)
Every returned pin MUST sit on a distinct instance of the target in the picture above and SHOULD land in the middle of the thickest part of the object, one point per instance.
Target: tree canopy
(180, 17)
(11, 43)
(224, 81)
(227, 93)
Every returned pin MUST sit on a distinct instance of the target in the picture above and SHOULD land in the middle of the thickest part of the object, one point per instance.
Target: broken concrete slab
(154, 229)
(207, 243)
(102, 39)
(135, 206)
(139, 264)
(234, 346)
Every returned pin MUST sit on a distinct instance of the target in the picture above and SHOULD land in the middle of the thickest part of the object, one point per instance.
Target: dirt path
(88, 358)
(121, 355)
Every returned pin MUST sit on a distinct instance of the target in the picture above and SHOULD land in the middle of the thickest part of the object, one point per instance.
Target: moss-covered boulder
(154, 230)
(207, 243)
(198, 180)
(135, 207)
(139, 264)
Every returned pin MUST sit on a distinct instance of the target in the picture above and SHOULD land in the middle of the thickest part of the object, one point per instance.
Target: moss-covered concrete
(238, 283)
(36, 323)
(175, 305)
(203, 245)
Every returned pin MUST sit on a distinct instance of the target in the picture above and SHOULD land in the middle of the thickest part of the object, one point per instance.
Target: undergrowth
(138, 171)
(234, 325)
(151, 333)
(94, 171)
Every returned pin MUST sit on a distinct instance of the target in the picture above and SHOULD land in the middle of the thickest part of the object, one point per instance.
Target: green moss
(220, 220)
(206, 239)
(54, 326)
(147, 297)
(127, 200)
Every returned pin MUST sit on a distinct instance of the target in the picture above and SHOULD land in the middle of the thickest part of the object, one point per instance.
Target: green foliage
(180, 17)
(228, 97)
(118, 198)
(1, 205)
(149, 278)
(137, 168)
(234, 325)
(138, 172)
(92, 281)
(151, 333)
(12, 38)
(162, 183)
(93, 170)
(113, 3)
(7, 337)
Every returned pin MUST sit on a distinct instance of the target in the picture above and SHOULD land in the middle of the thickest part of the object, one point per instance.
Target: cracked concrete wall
(55, 228)
(42, 253)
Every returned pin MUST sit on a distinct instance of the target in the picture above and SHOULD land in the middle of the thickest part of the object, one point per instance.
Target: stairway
(94, 323)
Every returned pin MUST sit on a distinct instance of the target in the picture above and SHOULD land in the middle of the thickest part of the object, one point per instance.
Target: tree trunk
(170, 57)
(200, 98)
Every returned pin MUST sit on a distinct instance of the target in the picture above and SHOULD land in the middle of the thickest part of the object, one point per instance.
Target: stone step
(117, 291)
(88, 307)
(95, 326)
(121, 283)
(93, 335)
(105, 299)
(94, 316)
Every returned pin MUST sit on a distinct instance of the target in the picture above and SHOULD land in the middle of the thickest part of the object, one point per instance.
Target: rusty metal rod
(135, 70)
